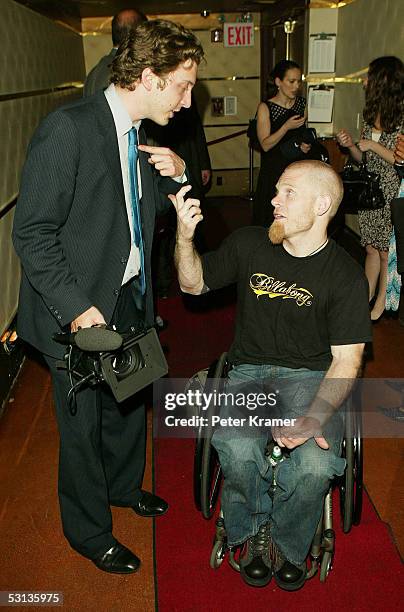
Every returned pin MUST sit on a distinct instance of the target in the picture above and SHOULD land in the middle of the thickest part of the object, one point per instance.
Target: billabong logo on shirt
(262, 284)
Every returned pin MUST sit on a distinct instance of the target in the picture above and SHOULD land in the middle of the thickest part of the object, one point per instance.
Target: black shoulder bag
(362, 189)
(252, 134)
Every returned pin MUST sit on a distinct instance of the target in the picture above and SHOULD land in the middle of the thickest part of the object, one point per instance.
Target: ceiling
(72, 11)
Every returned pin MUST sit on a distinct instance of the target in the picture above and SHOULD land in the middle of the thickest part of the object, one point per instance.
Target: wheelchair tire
(358, 473)
(346, 488)
(326, 565)
(211, 474)
(218, 554)
(198, 452)
(197, 479)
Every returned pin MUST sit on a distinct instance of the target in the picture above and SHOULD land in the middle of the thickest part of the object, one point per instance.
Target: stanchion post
(251, 175)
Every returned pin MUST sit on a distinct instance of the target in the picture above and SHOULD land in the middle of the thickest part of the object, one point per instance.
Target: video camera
(126, 363)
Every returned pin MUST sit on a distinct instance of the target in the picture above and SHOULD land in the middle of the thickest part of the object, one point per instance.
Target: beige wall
(95, 46)
(366, 29)
(322, 20)
(40, 59)
(230, 159)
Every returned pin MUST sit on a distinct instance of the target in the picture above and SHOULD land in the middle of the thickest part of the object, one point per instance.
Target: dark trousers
(102, 450)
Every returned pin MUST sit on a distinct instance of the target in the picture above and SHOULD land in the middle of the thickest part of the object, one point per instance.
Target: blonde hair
(326, 181)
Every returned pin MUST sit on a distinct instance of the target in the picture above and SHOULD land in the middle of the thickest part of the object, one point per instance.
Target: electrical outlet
(219, 180)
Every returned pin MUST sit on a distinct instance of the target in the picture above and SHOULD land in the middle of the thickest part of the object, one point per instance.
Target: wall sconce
(216, 35)
(289, 27)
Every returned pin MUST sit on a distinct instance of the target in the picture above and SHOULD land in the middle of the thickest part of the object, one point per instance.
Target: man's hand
(303, 429)
(206, 174)
(305, 148)
(165, 161)
(90, 317)
(188, 214)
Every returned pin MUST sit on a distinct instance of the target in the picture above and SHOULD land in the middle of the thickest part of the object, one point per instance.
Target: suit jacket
(98, 78)
(71, 229)
(185, 135)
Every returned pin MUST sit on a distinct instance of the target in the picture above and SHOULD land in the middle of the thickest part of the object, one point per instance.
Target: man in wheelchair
(302, 323)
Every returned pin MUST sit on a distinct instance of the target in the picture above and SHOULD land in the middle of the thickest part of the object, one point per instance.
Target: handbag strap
(364, 161)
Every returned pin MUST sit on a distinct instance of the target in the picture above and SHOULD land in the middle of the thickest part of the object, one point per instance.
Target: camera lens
(127, 362)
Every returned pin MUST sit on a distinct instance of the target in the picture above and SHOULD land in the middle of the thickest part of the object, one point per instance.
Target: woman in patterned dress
(279, 119)
(383, 120)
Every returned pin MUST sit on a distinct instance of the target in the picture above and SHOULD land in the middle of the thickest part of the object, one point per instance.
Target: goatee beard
(276, 232)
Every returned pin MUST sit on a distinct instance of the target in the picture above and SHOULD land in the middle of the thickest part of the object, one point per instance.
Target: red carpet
(367, 574)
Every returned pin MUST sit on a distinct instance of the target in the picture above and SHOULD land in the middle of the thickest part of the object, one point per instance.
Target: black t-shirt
(290, 310)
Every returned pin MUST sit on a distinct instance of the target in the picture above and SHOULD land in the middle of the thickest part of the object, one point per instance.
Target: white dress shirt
(123, 124)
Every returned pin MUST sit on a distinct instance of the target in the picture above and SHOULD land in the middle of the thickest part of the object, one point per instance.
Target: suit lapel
(147, 204)
(109, 144)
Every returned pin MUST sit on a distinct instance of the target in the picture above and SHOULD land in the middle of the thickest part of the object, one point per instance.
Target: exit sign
(238, 34)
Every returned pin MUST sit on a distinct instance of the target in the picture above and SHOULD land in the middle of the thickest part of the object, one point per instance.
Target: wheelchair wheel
(198, 468)
(218, 554)
(199, 381)
(211, 474)
(199, 441)
(358, 466)
(347, 482)
(326, 565)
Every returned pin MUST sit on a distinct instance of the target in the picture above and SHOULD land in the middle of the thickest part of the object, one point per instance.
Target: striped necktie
(134, 195)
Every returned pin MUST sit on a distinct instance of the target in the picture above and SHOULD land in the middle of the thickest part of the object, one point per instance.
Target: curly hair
(384, 93)
(279, 72)
(159, 45)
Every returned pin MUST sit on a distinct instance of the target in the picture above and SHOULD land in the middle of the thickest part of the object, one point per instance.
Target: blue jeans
(302, 479)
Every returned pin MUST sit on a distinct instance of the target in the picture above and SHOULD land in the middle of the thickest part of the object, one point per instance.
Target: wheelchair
(207, 478)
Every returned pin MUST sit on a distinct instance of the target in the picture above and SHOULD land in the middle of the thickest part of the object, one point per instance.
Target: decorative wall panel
(36, 53)
(38, 57)
(18, 120)
(366, 29)
(232, 153)
(222, 63)
(10, 272)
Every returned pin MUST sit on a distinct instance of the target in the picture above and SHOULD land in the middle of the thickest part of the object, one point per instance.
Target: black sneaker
(255, 564)
(288, 576)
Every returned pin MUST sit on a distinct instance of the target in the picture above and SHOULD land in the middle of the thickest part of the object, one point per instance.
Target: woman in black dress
(280, 119)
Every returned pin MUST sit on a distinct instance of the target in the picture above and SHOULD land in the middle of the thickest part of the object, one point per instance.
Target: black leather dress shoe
(150, 505)
(118, 560)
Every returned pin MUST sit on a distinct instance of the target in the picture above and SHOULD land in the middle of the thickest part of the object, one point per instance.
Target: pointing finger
(154, 150)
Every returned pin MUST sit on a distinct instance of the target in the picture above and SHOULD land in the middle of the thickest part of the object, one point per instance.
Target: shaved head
(323, 179)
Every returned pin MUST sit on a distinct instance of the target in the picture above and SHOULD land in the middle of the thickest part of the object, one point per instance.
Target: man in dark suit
(122, 23)
(83, 229)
